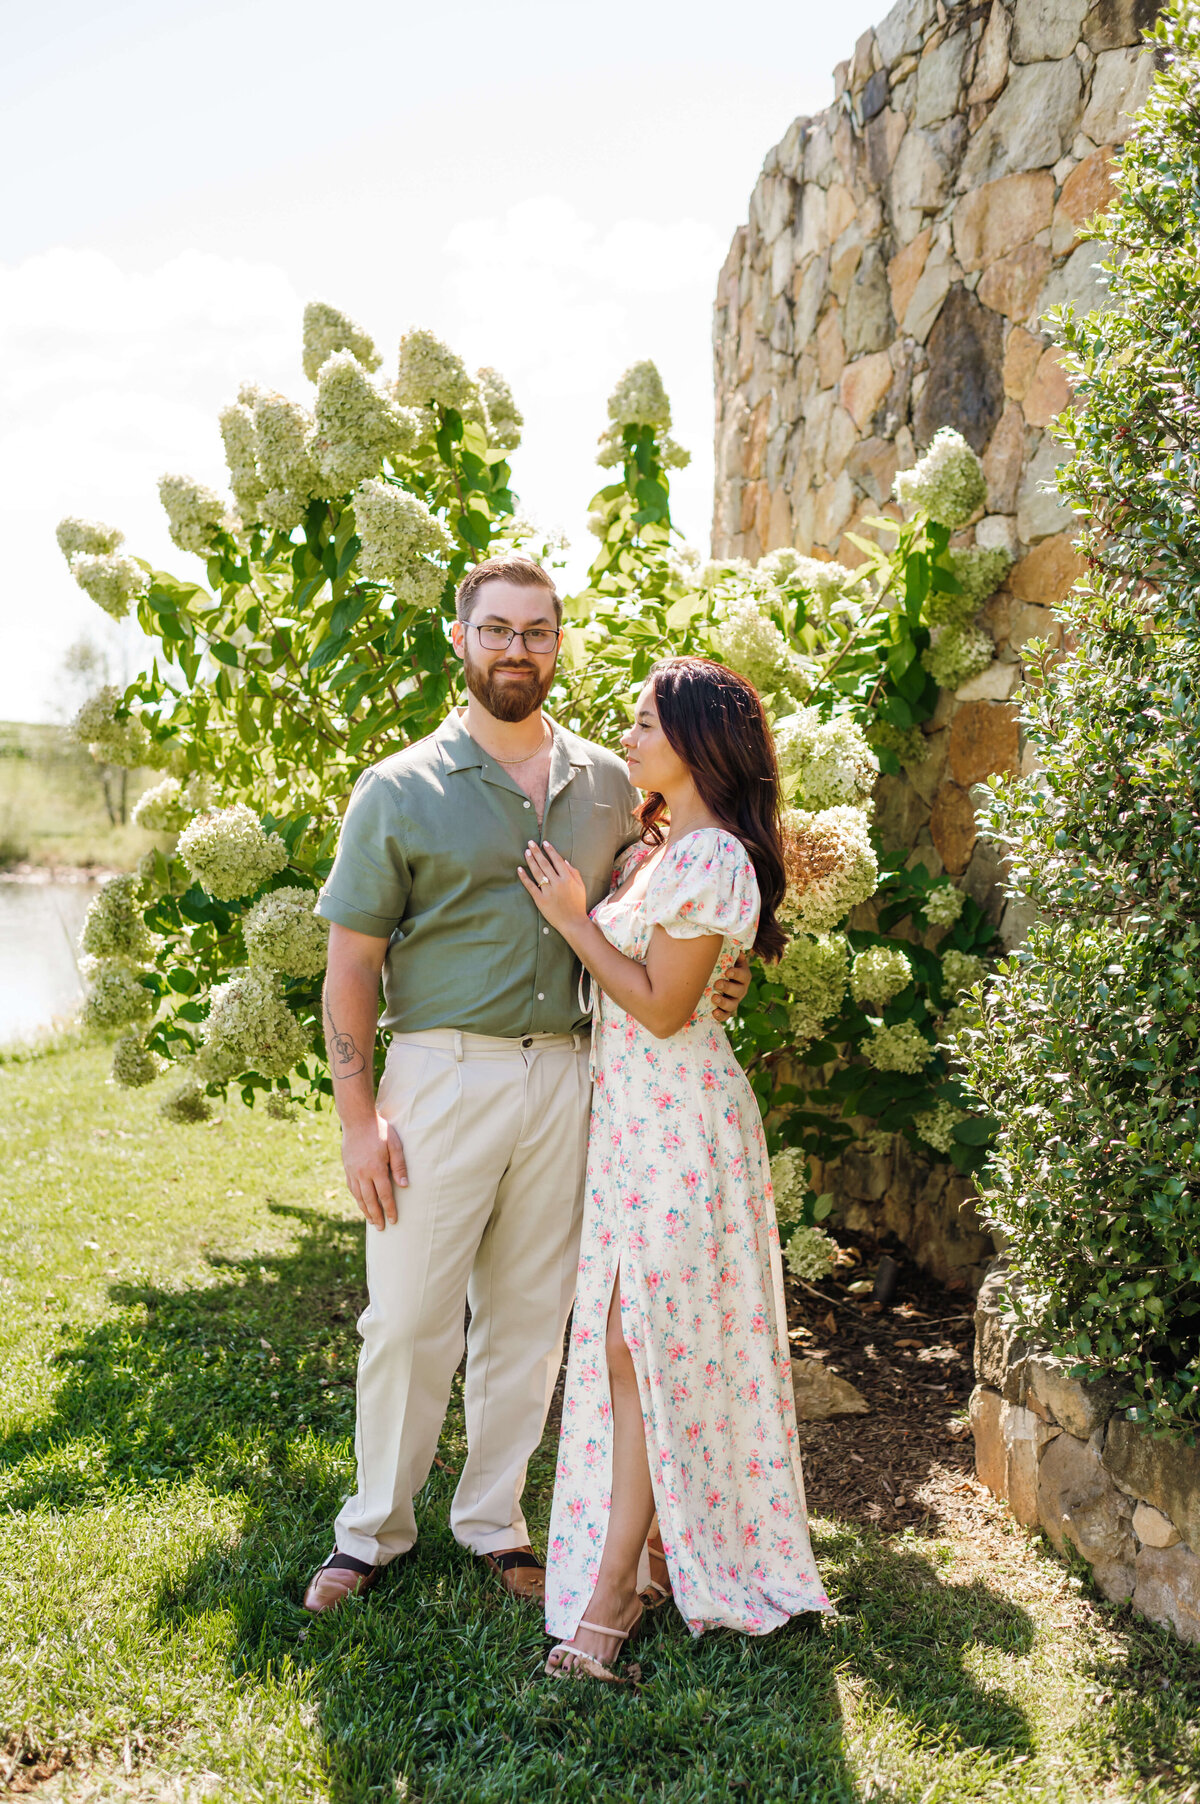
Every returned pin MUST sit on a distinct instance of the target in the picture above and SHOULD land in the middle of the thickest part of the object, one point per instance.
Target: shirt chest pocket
(596, 829)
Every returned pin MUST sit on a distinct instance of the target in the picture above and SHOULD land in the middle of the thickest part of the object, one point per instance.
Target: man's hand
(729, 994)
(374, 1160)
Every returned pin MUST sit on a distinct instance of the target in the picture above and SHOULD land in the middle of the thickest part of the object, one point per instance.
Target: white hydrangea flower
(597, 523)
(187, 1102)
(831, 867)
(133, 1063)
(956, 654)
(113, 926)
(880, 973)
(943, 905)
(86, 538)
(229, 853)
(717, 570)
(280, 1106)
(948, 483)
(789, 1181)
(250, 1028)
(122, 742)
(674, 455)
(832, 759)
(327, 331)
(114, 996)
(505, 419)
(749, 641)
(908, 743)
(421, 585)
(639, 399)
(196, 515)
(357, 425)
(430, 372)
(961, 971)
(241, 456)
(283, 934)
(979, 570)
(611, 449)
(876, 1142)
(902, 1047)
(833, 588)
(399, 535)
(936, 1126)
(162, 809)
(814, 969)
(283, 432)
(810, 1254)
(111, 579)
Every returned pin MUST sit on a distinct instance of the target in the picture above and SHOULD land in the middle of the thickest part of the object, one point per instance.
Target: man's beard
(507, 698)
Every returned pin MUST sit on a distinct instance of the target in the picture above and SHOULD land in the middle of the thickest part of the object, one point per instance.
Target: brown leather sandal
(341, 1576)
(519, 1571)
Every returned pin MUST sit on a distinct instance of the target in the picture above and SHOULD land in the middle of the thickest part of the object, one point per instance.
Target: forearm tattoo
(345, 1060)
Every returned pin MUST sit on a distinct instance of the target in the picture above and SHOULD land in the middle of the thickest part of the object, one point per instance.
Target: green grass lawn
(178, 1359)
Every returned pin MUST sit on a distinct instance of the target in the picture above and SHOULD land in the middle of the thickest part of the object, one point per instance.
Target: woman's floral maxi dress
(679, 1198)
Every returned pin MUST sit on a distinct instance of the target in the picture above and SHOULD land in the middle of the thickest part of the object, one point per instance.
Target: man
(469, 1163)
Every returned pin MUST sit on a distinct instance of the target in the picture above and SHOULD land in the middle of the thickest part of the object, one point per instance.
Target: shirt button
(541, 996)
(525, 804)
(545, 930)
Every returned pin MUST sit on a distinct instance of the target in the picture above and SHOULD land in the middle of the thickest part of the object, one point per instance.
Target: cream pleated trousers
(495, 1139)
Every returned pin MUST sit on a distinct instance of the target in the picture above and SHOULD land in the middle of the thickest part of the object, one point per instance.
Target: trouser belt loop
(576, 1041)
(458, 1045)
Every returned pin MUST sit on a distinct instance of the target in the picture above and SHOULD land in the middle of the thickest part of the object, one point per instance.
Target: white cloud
(110, 376)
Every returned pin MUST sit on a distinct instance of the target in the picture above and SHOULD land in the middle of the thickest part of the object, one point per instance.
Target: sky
(552, 188)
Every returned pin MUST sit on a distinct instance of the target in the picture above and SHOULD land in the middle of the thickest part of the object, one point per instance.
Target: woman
(678, 1396)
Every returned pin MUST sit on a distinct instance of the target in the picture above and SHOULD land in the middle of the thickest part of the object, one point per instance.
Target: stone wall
(900, 251)
(1067, 1463)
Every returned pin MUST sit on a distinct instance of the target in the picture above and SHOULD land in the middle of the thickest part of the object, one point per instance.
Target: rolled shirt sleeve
(369, 886)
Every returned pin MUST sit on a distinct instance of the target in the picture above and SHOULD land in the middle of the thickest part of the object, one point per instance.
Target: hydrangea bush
(319, 642)
(1088, 1047)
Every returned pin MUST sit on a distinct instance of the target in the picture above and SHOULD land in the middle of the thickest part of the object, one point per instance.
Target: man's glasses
(536, 639)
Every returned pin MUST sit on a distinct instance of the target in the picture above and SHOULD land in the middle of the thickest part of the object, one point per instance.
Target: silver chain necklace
(529, 756)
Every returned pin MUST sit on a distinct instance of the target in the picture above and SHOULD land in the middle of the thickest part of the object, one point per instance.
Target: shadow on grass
(432, 1687)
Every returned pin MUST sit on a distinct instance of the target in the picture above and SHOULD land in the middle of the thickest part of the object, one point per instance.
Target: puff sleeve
(705, 884)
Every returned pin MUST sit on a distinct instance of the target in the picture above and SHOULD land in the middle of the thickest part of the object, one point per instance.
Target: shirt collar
(462, 753)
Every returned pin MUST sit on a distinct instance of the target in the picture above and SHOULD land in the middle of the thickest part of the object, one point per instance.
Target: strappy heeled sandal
(657, 1590)
(587, 1665)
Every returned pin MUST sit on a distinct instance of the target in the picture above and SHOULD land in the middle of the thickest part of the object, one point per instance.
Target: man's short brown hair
(522, 571)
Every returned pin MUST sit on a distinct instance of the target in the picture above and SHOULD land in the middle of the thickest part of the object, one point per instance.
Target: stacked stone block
(901, 250)
(1066, 1462)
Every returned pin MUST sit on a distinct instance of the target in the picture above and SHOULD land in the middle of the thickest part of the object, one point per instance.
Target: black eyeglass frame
(555, 634)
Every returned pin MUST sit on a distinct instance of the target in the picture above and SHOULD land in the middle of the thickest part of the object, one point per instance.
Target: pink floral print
(679, 1200)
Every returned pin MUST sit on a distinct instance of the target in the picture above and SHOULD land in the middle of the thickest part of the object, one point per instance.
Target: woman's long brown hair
(714, 721)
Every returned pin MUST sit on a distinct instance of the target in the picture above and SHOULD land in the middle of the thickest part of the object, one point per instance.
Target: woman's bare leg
(615, 1601)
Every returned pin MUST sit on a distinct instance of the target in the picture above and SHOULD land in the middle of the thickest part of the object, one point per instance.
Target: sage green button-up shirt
(428, 860)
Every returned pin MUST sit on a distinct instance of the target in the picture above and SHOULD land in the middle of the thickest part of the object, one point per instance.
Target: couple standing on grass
(517, 1150)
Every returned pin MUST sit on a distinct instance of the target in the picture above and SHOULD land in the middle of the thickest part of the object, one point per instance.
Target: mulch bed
(909, 1461)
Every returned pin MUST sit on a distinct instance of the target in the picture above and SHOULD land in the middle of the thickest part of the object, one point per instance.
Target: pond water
(39, 981)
